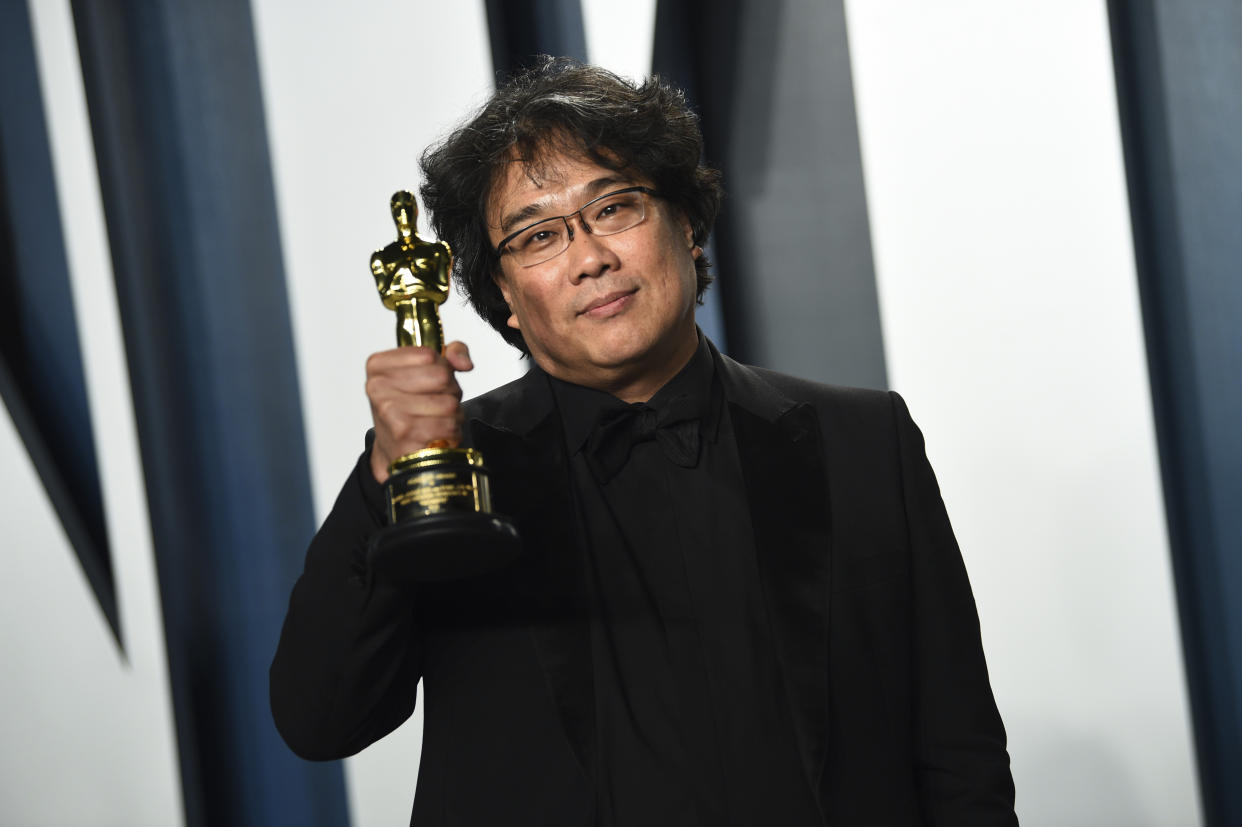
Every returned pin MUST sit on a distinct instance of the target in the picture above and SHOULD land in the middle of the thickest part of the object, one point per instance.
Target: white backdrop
(1003, 255)
(997, 196)
(86, 733)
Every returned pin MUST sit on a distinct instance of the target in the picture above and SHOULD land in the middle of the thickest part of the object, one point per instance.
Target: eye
(618, 211)
(537, 237)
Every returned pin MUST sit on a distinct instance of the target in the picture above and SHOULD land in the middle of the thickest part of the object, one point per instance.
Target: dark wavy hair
(562, 106)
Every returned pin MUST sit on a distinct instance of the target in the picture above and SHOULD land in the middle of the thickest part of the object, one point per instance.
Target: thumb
(458, 356)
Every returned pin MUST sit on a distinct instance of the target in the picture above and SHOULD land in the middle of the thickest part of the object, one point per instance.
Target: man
(739, 599)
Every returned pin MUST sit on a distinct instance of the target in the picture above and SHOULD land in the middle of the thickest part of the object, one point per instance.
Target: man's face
(612, 312)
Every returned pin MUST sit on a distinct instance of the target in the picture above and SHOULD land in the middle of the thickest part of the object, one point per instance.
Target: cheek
(678, 257)
(683, 279)
(531, 309)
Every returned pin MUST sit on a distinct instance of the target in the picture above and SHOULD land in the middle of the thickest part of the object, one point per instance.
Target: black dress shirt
(692, 725)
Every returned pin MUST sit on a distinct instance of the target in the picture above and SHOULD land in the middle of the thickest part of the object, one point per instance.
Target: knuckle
(387, 412)
(402, 431)
(379, 362)
(446, 405)
(442, 374)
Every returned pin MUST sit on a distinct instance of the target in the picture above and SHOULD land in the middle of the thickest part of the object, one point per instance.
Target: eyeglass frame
(501, 248)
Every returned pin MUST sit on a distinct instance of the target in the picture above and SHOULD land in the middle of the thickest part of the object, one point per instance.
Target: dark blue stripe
(43, 382)
(1178, 77)
(174, 98)
(773, 86)
(522, 30)
(680, 55)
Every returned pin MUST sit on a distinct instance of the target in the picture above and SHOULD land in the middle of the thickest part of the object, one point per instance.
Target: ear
(688, 233)
(503, 283)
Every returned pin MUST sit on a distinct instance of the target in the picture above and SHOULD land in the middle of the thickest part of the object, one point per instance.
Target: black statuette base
(444, 546)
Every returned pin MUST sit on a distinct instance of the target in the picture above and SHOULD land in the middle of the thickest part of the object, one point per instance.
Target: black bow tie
(675, 427)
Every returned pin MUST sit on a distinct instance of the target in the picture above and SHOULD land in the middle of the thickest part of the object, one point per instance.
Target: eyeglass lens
(609, 214)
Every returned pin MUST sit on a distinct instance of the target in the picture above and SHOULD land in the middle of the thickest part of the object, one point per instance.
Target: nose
(591, 256)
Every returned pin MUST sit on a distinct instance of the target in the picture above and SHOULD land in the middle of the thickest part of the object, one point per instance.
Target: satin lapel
(786, 485)
(531, 485)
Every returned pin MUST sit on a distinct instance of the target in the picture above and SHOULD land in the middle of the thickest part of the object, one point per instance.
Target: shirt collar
(582, 407)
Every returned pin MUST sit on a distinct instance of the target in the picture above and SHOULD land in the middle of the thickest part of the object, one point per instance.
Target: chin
(626, 350)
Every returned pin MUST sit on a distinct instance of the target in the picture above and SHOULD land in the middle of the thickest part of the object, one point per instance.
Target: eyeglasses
(609, 214)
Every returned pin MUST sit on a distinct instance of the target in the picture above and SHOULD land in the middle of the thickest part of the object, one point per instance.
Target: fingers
(421, 373)
(456, 356)
(415, 399)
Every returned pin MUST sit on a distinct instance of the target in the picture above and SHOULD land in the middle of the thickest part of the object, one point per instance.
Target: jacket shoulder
(518, 407)
(806, 390)
(836, 402)
(494, 404)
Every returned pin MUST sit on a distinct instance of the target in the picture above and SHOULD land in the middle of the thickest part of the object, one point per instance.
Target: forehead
(553, 184)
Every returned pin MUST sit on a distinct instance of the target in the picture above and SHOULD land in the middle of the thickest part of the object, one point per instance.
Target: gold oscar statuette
(441, 524)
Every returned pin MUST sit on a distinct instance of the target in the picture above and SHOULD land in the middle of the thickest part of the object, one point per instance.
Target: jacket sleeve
(962, 765)
(350, 655)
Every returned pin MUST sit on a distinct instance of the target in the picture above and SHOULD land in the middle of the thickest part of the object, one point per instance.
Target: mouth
(608, 304)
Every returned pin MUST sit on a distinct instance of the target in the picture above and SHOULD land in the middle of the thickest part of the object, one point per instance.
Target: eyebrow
(590, 191)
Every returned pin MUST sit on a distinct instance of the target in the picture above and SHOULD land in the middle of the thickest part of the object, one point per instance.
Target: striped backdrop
(1022, 216)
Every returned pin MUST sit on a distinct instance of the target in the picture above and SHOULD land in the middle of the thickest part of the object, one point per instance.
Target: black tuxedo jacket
(872, 618)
